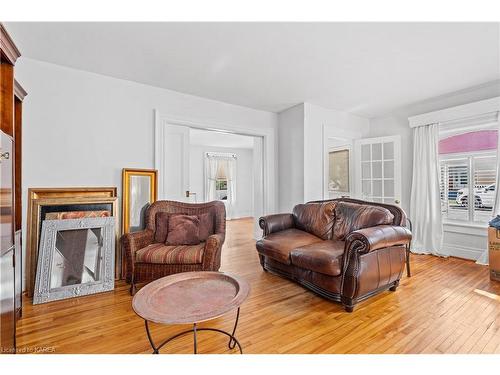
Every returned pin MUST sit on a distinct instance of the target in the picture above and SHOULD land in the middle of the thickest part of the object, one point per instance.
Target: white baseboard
(241, 215)
(462, 251)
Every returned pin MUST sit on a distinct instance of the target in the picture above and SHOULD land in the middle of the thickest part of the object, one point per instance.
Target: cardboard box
(494, 253)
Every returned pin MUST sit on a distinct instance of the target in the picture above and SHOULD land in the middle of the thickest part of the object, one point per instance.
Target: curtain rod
(220, 155)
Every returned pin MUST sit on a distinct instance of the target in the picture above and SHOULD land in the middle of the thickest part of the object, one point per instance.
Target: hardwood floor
(447, 306)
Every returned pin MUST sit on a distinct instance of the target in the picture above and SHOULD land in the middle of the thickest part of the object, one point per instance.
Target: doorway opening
(221, 167)
(199, 164)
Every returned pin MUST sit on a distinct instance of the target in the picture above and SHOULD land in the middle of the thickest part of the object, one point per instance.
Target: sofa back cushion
(316, 218)
(353, 216)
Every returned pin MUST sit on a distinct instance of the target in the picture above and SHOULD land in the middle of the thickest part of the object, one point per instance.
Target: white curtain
(212, 165)
(425, 205)
(483, 259)
(496, 209)
(221, 166)
(231, 186)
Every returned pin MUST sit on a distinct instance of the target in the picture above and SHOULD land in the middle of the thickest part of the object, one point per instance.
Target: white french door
(172, 162)
(378, 169)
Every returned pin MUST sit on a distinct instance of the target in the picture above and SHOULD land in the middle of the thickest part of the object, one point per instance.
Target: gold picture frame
(339, 170)
(139, 189)
(38, 197)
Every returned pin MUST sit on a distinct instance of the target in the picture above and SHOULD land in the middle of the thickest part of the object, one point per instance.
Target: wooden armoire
(11, 99)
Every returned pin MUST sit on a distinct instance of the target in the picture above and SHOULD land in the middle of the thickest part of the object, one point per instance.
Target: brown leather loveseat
(343, 249)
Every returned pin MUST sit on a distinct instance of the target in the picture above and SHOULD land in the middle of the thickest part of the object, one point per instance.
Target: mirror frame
(34, 227)
(43, 292)
(127, 173)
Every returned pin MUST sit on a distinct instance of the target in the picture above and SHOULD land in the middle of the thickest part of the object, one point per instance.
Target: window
(220, 177)
(468, 176)
(221, 181)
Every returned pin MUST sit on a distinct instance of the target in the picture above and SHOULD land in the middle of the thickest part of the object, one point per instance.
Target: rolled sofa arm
(364, 241)
(276, 223)
(378, 237)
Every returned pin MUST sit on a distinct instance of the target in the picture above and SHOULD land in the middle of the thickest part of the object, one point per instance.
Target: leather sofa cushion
(162, 254)
(279, 245)
(324, 257)
(353, 216)
(315, 218)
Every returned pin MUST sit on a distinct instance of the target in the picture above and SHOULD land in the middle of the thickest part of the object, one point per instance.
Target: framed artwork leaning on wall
(64, 207)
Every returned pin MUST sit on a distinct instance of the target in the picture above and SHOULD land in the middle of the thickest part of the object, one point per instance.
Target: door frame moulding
(268, 151)
(349, 135)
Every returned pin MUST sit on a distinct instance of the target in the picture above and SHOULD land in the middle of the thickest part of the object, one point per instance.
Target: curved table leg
(233, 342)
(155, 349)
(194, 339)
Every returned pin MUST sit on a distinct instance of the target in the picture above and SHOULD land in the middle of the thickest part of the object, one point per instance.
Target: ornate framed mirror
(139, 190)
(76, 258)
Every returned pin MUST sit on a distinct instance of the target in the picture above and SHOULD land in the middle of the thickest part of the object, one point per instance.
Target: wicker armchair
(147, 260)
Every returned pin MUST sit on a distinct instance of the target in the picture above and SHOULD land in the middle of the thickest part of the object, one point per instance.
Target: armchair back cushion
(316, 218)
(353, 216)
(183, 230)
(161, 227)
(212, 217)
(206, 225)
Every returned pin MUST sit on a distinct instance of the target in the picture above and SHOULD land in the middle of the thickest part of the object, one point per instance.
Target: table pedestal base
(231, 344)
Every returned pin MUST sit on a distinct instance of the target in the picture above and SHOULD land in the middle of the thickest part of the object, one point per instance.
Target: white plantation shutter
(457, 176)
(454, 179)
(484, 181)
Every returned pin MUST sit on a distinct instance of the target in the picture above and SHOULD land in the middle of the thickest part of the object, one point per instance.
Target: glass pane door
(379, 169)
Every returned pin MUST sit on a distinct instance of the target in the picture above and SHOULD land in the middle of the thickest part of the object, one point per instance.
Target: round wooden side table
(191, 298)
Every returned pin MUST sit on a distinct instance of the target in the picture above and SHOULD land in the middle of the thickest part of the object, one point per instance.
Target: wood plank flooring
(447, 306)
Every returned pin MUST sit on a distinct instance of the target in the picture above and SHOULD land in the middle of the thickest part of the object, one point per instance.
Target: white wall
(397, 123)
(303, 147)
(244, 176)
(458, 240)
(291, 157)
(320, 122)
(81, 129)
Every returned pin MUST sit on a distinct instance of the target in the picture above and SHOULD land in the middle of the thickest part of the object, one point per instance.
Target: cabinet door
(18, 256)
(6, 192)
(7, 286)
(7, 306)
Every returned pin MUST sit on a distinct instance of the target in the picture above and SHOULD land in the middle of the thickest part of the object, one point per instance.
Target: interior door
(378, 172)
(172, 163)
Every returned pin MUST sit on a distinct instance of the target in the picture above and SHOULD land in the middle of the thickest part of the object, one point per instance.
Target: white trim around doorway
(269, 153)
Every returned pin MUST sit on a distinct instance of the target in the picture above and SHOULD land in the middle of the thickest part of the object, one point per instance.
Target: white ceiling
(217, 139)
(364, 68)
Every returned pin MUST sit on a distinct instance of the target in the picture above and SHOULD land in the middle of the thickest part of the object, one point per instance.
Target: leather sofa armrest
(276, 223)
(212, 252)
(378, 237)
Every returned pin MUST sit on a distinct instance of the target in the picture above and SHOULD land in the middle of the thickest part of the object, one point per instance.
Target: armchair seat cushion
(324, 257)
(279, 245)
(163, 254)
